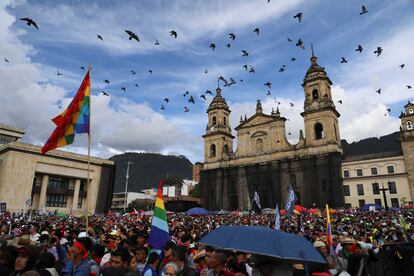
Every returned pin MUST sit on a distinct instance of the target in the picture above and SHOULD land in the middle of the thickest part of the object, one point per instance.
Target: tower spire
(313, 54)
(313, 57)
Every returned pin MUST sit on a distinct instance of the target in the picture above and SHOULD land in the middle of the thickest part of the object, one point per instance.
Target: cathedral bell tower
(320, 116)
(218, 141)
(407, 141)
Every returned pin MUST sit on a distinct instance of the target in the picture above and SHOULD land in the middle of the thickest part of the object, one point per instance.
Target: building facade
(56, 180)
(264, 159)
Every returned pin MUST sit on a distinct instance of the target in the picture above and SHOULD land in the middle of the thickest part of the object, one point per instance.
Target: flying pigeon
(132, 35)
(156, 42)
(173, 33)
(58, 73)
(363, 10)
(162, 107)
(232, 36)
(213, 46)
(133, 72)
(186, 93)
(150, 71)
(268, 93)
(6, 60)
(245, 53)
(344, 60)
(359, 49)
(289, 39)
(104, 93)
(206, 71)
(191, 100)
(300, 44)
(251, 69)
(378, 51)
(298, 16)
(378, 91)
(402, 66)
(29, 22)
(228, 45)
(292, 105)
(268, 84)
(166, 100)
(245, 67)
(123, 89)
(292, 59)
(208, 92)
(409, 86)
(203, 97)
(82, 68)
(340, 101)
(136, 85)
(281, 69)
(106, 81)
(186, 109)
(99, 37)
(257, 31)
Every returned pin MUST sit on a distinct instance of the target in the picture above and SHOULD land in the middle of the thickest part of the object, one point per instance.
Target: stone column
(75, 199)
(43, 190)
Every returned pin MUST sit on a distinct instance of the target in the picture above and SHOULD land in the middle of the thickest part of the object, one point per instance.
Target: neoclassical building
(265, 160)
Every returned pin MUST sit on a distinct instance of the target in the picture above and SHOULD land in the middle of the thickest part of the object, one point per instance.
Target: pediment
(257, 119)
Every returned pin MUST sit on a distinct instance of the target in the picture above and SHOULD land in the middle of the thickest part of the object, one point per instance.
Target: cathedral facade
(265, 160)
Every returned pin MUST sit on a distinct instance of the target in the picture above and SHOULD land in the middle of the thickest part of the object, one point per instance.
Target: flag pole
(89, 151)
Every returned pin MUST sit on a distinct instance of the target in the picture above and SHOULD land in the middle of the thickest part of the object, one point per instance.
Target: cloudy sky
(31, 93)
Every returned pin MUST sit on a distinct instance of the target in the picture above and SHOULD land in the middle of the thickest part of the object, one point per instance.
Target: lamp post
(384, 195)
(126, 185)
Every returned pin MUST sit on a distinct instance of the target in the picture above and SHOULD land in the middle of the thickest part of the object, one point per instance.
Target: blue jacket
(69, 269)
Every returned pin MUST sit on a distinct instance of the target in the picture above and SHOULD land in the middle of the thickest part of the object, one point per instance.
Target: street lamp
(126, 185)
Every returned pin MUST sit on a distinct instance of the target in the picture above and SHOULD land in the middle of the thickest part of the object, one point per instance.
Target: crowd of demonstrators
(363, 243)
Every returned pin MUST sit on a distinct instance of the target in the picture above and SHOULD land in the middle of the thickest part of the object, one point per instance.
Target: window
(346, 173)
(378, 201)
(374, 171)
(375, 188)
(409, 125)
(318, 131)
(214, 121)
(346, 190)
(224, 121)
(226, 149)
(394, 202)
(392, 187)
(58, 182)
(361, 202)
(390, 169)
(410, 111)
(359, 172)
(360, 189)
(315, 94)
(213, 150)
(56, 200)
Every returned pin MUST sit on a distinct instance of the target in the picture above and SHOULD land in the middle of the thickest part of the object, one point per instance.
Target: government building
(264, 159)
(321, 168)
(54, 181)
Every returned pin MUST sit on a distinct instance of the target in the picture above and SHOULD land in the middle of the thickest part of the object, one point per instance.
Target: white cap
(82, 234)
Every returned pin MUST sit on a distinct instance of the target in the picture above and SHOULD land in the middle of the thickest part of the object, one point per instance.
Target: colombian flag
(75, 119)
(329, 232)
(159, 234)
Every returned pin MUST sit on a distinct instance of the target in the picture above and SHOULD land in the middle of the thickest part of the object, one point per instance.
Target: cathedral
(265, 160)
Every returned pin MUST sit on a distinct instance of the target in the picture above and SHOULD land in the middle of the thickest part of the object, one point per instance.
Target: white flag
(277, 218)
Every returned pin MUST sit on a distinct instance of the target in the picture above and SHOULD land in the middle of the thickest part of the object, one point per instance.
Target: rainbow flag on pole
(329, 232)
(159, 234)
(75, 119)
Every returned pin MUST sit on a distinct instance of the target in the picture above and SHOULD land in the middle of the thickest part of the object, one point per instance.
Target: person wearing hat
(76, 260)
(355, 257)
(22, 241)
(26, 260)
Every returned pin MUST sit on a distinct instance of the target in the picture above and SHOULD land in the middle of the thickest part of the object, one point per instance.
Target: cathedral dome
(218, 102)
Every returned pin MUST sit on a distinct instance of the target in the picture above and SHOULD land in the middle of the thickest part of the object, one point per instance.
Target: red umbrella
(300, 209)
(283, 212)
(313, 211)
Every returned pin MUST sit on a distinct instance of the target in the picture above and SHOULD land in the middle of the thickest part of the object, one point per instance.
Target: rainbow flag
(329, 232)
(159, 234)
(75, 119)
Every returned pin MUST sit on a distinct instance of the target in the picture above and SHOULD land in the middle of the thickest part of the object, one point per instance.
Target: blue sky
(32, 94)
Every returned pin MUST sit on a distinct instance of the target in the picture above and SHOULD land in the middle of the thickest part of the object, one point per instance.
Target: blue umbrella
(263, 241)
(197, 211)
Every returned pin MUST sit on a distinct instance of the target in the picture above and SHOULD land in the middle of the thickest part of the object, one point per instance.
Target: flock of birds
(226, 81)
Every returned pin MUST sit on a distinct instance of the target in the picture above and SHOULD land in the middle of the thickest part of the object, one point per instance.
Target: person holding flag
(291, 200)
(256, 207)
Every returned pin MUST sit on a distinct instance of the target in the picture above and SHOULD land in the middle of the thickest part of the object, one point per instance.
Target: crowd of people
(363, 243)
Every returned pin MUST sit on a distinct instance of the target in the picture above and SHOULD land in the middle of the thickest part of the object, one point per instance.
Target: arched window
(214, 121)
(410, 111)
(224, 120)
(315, 94)
(259, 145)
(213, 150)
(409, 125)
(319, 131)
(226, 149)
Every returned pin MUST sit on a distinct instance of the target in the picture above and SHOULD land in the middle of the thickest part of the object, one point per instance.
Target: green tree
(173, 180)
(195, 192)
(140, 204)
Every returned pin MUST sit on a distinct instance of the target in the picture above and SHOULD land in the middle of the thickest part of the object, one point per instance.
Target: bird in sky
(359, 49)
(186, 109)
(150, 71)
(268, 93)
(106, 81)
(173, 33)
(257, 31)
(241, 80)
(123, 89)
(203, 97)
(268, 84)
(289, 39)
(343, 60)
(58, 73)
(186, 93)
(289, 133)
(136, 85)
(99, 37)
(6, 60)
(292, 59)
(132, 35)
(166, 100)
(156, 42)
(298, 16)
(402, 66)
(213, 46)
(340, 101)
(228, 45)
(208, 92)
(245, 67)
(244, 53)
(300, 44)
(409, 86)
(378, 51)
(388, 109)
(292, 105)
(363, 10)
(232, 36)
(281, 69)
(378, 91)
(29, 22)
(104, 93)
(82, 68)
(133, 72)
(251, 70)
(162, 107)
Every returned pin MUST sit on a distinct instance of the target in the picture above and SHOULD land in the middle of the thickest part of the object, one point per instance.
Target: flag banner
(159, 234)
(291, 200)
(256, 207)
(329, 232)
(75, 119)
(277, 218)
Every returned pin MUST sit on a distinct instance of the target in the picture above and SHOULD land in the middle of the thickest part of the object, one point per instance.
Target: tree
(140, 204)
(173, 180)
(195, 192)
